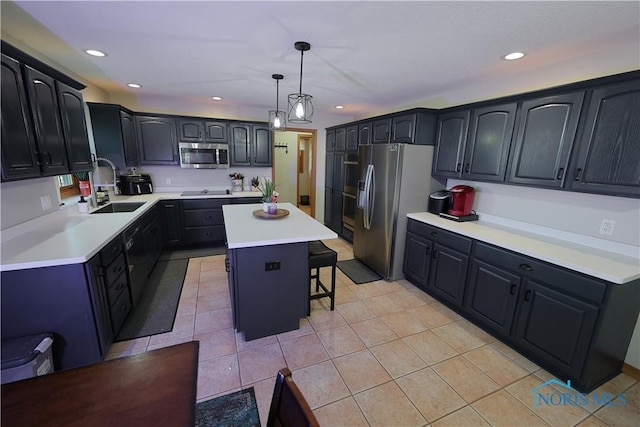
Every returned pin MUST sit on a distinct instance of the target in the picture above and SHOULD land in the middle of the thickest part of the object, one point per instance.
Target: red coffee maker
(461, 200)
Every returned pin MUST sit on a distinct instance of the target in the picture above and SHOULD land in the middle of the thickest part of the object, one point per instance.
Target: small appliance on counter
(461, 204)
(439, 202)
(130, 185)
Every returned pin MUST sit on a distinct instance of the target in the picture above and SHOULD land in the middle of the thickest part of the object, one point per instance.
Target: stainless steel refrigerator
(394, 179)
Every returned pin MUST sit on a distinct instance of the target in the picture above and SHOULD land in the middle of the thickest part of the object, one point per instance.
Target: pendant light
(277, 118)
(300, 106)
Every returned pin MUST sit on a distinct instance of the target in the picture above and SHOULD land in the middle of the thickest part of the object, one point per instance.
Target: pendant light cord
(301, 59)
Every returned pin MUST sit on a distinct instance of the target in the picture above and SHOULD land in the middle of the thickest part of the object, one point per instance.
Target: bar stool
(321, 256)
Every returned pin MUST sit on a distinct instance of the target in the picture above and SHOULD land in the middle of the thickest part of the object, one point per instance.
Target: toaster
(135, 184)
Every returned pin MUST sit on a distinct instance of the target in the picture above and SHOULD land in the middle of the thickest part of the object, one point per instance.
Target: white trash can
(26, 357)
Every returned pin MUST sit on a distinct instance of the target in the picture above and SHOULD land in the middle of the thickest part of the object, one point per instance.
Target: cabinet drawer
(203, 217)
(116, 288)
(447, 238)
(111, 251)
(119, 311)
(114, 269)
(246, 200)
(205, 234)
(204, 203)
(558, 277)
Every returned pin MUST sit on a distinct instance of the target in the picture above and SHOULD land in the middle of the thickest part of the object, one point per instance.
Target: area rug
(186, 253)
(156, 310)
(238, 409)
(357, 271)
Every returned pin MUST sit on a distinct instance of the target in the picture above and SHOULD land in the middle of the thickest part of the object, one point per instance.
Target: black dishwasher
(139, 268)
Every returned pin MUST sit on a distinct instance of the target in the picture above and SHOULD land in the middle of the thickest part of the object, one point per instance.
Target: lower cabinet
(575, 326)
(172, 221)
(203, 220)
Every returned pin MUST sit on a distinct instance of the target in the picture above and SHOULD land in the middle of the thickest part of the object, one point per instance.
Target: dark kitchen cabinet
(491, 296)
(334, 183)
(608, 156)
(203, 220)
(556, 327)
(544, 138)
(172, 220)
(190, 130)
(381, 131)
(157, 143)
(74, 128)
(487, 149)
(351, 134)
(331, 140)
(250, 145)
(417, 257)
(20, 158)
(364, 133)
(114, 134)
(448, 272)
(215, 132)
(450, 144)
(328, 206)
(341, 139)
(338, 172)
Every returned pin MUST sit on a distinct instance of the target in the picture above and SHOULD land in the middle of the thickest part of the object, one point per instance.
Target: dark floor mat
(235, 409)
(357, 271)
(186, 253)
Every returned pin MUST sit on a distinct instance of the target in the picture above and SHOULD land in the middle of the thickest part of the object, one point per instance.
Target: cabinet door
(240, 144)
(74, 127)
(450, 144)
(157, 142)
(336, 211)
(129, 139)
(328, 170)
(491, 296)
(215, 132)
(403, 128)
(364, 133)
(556, 327)
(173, 227)
(190, 130)
(381, 131)
(608, 158)
(262, 154)
(448, 273)
(417, 256)
(331, 140)
(19, 158)
(487, 150)
(327, 206)
(545, 135)
(338, 172)
(46, 115)
(352, 138)
(100, 303)
(341, 139)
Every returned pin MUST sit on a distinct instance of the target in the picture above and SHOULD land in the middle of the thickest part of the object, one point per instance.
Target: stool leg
(332, 295)
(317, 279)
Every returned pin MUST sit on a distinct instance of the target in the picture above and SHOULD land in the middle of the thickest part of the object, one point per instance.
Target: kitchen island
(267, 264)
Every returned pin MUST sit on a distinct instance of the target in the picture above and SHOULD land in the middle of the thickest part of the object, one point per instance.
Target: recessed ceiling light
(94, 52)
(339, 107)
(217, 98)
(134, 85)
(513, 55)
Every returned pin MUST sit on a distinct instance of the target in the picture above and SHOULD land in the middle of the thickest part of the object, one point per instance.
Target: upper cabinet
(381, 131)
(364, 133)
(114, 134)
(215, 132)
(331, 140)
(43, 124)
(250, 145)
(608, 158)
(157, 143)
(190, 130)
(341, 139)
(546, 132)
(352, 138)
(450, 144)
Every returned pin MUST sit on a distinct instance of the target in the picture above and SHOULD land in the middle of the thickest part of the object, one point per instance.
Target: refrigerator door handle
(368, 184)
(372, 194)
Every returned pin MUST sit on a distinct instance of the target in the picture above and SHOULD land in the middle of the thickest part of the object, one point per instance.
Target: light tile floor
(389, 355)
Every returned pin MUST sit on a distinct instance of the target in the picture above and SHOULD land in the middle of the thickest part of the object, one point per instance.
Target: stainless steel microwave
(197, 155)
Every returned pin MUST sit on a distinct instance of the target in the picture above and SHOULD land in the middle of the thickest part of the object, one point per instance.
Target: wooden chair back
(288, 406)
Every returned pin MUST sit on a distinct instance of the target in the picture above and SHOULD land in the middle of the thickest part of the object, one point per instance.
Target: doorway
(294, 170)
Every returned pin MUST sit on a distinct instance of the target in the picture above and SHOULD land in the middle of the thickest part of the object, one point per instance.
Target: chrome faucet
(114, 185)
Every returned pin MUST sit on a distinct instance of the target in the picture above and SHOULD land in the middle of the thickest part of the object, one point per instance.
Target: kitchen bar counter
(244, 230)
(69, 237)
(609, 266)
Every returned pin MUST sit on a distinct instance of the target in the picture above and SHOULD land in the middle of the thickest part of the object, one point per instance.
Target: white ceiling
(371, 57)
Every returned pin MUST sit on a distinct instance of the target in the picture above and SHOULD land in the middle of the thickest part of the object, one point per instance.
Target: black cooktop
(206, 193)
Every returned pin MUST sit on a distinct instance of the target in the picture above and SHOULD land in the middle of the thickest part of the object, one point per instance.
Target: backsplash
(20, 200)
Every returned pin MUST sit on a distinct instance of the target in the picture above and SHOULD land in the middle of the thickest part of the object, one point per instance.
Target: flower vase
(269, 207)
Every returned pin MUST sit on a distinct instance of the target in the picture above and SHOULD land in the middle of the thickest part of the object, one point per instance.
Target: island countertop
(244, 230)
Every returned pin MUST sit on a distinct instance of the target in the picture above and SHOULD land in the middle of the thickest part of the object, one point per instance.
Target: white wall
(20, 200)
(285, 164)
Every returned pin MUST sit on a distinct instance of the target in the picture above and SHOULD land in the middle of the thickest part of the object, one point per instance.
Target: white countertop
(244, 230)
(70, 237)
(604, 265)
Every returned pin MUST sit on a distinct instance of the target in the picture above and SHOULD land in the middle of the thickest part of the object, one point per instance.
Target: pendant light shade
(300, 106)
(277, 118)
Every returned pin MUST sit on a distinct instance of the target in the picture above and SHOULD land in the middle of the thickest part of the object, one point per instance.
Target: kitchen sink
(119, 207)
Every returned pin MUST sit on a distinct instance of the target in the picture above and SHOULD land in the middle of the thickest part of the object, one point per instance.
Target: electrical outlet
(45, 201)
(607, 226)
(167, 181)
